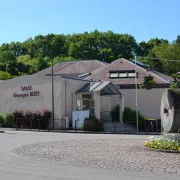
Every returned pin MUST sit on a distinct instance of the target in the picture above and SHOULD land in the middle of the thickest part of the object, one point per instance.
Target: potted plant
(148, 82)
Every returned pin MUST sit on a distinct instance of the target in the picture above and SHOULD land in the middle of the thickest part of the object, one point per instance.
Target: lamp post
(52, 61)
(137, 118)
(136, 90)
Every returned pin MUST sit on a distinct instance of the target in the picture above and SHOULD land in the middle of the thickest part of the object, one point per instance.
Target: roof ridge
(146, 70)
(105, 67)
(129, 62)
(101, 62)
(66, 66)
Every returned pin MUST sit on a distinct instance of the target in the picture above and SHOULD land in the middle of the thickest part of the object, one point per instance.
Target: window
(122, 74)
(86, 104)
(132, 74)
(113, 75)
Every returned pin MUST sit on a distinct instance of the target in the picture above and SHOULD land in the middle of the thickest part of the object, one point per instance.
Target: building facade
(35, 93)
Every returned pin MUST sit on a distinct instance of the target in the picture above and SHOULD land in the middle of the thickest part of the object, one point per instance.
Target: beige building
(122, 74)
(35, 93)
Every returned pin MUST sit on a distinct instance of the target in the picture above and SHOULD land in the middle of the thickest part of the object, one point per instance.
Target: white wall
(69, 91)
(148, 101)
(44, 101)
(108, 103)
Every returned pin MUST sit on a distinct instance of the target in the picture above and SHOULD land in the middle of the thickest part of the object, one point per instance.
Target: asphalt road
(15, 167)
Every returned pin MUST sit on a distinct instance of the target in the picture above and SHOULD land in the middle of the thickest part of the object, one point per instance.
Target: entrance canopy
(105, 88)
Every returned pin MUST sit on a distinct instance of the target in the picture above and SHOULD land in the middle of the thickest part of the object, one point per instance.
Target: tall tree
(7, 56)
(178, 39)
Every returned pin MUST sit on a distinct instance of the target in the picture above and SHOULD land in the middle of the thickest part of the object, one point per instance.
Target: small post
(103, 125)
(84, 125)
(125, 126)
(65, 123)
(48, 125)
(30, 124)
(115, 126)
(16, 123)
(75, 125)
(157, 126)
(145, 128)
(39, 124)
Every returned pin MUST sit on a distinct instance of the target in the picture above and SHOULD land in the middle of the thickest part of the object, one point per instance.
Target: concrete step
(118, 127)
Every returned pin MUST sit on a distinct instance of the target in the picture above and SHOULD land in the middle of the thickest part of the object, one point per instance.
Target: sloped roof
(73, 68)
(81, 67)
(123, 64)
(57, 67)
(105, 88)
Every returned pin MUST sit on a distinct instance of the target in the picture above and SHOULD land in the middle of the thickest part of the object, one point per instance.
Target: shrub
(18, 117)
(6, 120)
(129, 116)
(23, 118)
(148, 82)
(1, 120)
(46, 116)
(92, 124)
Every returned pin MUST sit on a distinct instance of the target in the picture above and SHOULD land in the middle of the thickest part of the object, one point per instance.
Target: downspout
(65, 82)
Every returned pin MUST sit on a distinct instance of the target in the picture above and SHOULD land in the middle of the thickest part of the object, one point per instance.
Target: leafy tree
(60, 59)
(176, 82)
(156, 42)
(168, 52)
(24, 59)
(5, 75)
(7, 56)
(178, 39)
(36, 53)
(38, 63)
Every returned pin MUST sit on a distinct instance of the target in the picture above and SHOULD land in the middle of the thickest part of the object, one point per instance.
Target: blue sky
(144, 19)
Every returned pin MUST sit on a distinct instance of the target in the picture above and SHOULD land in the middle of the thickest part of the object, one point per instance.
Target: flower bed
(169, 142)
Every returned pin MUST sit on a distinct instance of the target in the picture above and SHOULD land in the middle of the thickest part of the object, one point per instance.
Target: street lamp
(136, 87)
(52, 61)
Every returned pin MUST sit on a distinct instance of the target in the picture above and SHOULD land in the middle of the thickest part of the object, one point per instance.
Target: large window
(132, 75)
(113, 75)
(122, 74)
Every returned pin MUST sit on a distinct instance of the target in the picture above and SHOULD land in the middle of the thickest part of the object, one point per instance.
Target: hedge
(92, 124)
(129, 117)
(24, 118)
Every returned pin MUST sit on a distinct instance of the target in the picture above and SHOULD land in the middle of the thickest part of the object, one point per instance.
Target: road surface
(17, 167)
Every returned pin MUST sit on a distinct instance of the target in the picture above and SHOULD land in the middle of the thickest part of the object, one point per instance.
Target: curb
(162, 150)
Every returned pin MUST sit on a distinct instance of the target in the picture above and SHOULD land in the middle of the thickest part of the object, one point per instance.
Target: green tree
(168, 52)
(39, 63)
(178, 39)
(7, 56)
(24, 59)
(5, 75)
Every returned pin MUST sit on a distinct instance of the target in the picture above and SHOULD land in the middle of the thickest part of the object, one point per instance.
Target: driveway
(20, 166)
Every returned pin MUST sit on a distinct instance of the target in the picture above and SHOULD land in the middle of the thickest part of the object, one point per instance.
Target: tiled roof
(81, 67)
(123, 64)
(74, 68)
(57, 67)
(97, 70)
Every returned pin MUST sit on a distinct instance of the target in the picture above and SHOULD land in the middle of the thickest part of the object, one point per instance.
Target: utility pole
(137, 118)
(52, 61)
